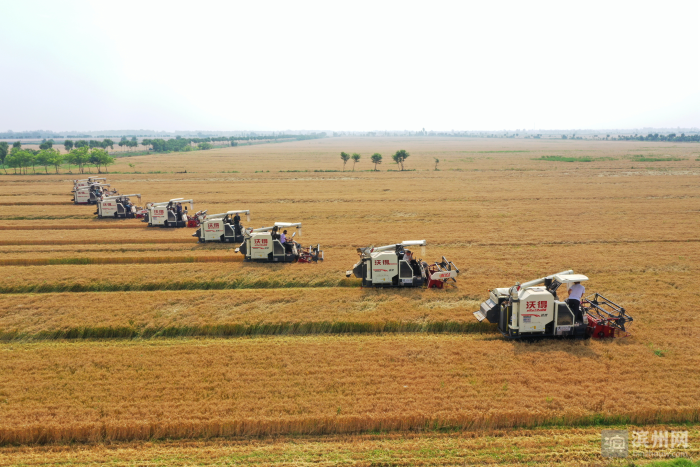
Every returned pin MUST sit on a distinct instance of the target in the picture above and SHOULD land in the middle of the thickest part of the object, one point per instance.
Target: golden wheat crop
(498, 214)
(315, 385)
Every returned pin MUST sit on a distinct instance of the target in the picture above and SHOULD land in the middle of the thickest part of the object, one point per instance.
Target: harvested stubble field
(403, 359)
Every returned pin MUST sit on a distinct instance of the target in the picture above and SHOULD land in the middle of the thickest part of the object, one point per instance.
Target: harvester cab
(533, 309)
(169, 213)
(224, 227)
(265, 244)
(119, 207)
(89, 194)
(396, 266)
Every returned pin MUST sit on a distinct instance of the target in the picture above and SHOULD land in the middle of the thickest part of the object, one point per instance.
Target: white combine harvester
(224, 227)
(264, 244)
(118, 207)
(165, 214)
(396, 266)
(92, 193)
(533, 309)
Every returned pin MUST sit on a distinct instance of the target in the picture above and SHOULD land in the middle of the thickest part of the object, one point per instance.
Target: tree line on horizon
(47, 156)
(399, 158)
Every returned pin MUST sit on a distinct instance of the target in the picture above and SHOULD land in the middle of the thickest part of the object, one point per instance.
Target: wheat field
(111, 331)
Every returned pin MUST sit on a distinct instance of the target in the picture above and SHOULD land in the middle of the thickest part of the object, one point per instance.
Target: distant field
(111, 330)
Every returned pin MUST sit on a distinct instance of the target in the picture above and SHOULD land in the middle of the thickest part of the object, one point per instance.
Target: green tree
(81, 143)
(400, 157)
(108, 143)
(376, 159)
(68, 144)
(355, 159)
(17, 145)
(42, 159)
(146, 143)
(4, 149)
(205, 146)
(345, 157)
(100, 157)
(437, 161)
(55, 158)
(80, 157)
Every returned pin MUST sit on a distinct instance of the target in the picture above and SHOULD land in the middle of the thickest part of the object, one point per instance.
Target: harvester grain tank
(396, 266)
(83, 182)
(165, 214)
(224, 227)
(533, 309)
(265, 245)
(118, 207)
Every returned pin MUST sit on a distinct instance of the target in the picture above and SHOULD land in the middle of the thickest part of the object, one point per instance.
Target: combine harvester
(533, 310)
(224, 227)
(395, 266)
(165, 214)
(118, 207)
(264, 245)
(92, 193)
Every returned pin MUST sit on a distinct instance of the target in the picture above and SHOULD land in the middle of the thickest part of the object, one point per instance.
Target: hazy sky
(208, 65)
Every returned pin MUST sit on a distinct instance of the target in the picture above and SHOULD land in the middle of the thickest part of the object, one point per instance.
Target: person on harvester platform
(575, 295)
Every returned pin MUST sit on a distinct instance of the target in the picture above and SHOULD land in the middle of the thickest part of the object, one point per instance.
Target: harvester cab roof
(119, 206)
(223, 227)
(533, 309)
(170, 213)
(266, 244)
(396, 266)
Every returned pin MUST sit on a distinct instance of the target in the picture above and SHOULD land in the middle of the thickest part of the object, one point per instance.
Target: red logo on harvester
(260, 242)
(159, 212)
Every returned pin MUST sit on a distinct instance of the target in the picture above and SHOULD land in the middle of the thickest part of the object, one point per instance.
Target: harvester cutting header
(533, 309)
(273, 244)
(396, 266)
(224, 227)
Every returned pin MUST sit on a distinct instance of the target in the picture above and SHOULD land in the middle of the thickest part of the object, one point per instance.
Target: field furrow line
(120, 260)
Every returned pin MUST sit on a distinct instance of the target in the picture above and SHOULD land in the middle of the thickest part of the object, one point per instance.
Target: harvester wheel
(116, 215)
(201, 240)
(166, 224)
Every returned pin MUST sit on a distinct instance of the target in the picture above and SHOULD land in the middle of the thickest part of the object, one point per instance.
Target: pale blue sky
(169, 65)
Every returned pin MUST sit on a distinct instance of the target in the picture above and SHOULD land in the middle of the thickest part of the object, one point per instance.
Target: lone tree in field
(355, 159)
(437, 161)
(345, 157)
(400, 157)
(376, 159)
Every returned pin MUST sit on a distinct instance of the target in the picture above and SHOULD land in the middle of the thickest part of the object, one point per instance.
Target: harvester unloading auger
(265, 244)
(224, 227)
(533, 310)
(395, 266)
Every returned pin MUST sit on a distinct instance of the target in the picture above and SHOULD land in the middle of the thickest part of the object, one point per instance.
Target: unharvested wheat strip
(106, 241)
(233, 313)
(121, 260)
(109, 224)
(38, 203)
(90, 391)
